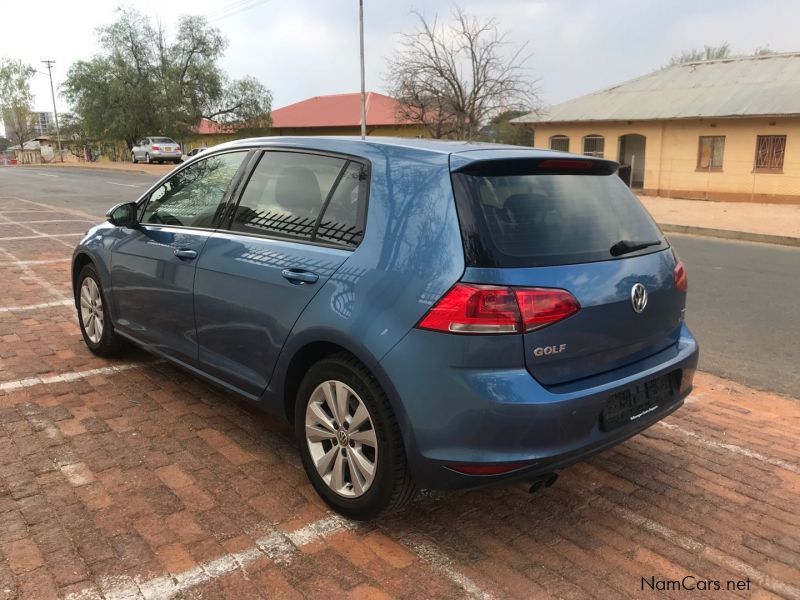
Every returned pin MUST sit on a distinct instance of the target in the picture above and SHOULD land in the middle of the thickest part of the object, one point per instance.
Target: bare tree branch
(454, 78)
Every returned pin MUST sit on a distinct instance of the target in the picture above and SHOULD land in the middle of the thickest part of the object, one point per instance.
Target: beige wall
(671, 156)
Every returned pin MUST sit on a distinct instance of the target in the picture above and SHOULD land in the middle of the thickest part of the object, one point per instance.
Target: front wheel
(349, 440)
(133, 158)
(96, 326)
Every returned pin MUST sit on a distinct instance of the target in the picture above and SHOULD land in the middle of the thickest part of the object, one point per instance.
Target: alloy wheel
(341, 438)
(92, 310)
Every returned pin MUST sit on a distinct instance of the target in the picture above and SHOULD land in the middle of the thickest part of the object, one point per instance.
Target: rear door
(299, 218)
(153, 266)
(572, 225)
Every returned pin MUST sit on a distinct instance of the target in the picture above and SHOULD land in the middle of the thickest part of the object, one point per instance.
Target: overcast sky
(302, 48)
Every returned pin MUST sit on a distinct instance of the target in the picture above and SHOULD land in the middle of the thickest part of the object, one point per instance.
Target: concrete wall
(670, 166)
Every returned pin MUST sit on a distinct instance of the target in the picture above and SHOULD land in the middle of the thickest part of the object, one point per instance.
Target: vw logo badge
(638, 297)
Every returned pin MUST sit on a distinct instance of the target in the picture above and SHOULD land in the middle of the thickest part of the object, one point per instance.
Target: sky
(304, 48)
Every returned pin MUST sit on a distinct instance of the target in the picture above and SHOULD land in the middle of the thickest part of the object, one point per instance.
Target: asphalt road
(744, 298)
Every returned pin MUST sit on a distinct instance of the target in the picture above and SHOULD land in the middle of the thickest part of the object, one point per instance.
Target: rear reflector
(485, 309)
(485, 469)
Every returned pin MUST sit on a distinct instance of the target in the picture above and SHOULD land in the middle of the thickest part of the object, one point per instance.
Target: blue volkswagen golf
(428, 314)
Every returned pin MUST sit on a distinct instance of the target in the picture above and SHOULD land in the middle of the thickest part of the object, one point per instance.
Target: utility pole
(50, 64)
(363, 85)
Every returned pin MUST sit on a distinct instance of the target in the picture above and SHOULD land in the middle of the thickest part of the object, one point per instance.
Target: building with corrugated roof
(717, 130)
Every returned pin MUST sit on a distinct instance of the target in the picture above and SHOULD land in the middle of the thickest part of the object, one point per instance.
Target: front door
(153, 266)
(299, 219)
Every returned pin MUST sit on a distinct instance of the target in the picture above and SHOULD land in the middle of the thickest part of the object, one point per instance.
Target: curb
(728, 234)
(103, 169)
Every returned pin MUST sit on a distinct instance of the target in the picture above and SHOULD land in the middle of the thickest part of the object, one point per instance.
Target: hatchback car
(156, 149)
(427, 314)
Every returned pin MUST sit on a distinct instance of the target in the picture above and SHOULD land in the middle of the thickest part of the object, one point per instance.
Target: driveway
(131, 478)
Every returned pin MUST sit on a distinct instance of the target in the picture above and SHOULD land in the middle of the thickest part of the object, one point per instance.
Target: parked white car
(156, 149)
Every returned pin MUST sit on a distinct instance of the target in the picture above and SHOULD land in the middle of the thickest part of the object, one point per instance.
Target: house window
(593, 145)
(559, 142)
(709, 153)
(769, 153)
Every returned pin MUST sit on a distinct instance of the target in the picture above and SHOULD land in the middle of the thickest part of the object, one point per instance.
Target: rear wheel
(349, 440)
(96, 326)
(147, 159)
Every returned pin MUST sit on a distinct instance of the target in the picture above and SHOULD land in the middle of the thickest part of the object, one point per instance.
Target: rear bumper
(455, 414)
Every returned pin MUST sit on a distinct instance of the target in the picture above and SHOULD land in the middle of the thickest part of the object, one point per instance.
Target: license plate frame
(637, 401)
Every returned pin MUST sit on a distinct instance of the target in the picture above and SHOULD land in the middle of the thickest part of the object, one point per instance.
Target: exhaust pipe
(543, 481)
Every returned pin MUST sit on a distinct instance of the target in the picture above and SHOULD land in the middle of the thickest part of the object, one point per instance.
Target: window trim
(593, 154)
(141, 204)
(710, 168)
(770, 170)
(559, 136)
(361, 217)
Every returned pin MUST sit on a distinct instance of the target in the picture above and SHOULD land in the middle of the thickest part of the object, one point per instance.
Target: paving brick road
(133, 479)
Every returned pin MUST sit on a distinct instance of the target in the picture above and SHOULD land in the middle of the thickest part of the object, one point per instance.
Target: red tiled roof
(209, 127)
(338, 110)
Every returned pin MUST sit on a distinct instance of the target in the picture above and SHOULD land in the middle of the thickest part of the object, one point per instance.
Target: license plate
(167, 149)
(636, 402)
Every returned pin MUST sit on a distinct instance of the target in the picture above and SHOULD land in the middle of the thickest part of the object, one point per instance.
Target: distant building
(340, 114)
(720, 130)
(44, 120)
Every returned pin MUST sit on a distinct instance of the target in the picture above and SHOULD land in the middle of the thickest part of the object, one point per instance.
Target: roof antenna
(363, 85)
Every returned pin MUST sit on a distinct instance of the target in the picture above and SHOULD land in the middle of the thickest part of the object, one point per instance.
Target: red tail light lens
(475, 309)
(681, 281)
(543, 306)
(156, 147)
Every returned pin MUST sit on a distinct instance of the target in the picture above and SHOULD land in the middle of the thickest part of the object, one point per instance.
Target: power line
(235, 9)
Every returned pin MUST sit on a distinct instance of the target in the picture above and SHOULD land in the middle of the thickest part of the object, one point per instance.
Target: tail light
(156, 148)
(679, 272)
(486, 309)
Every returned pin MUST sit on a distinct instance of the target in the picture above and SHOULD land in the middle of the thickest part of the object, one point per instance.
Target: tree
(74, 136)
(143, 83)
(501, 130)
(701, 54)
(454, 78)
(16, 101)
(4, 143)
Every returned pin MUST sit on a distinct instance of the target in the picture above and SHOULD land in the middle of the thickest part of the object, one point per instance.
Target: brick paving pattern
(133, 479)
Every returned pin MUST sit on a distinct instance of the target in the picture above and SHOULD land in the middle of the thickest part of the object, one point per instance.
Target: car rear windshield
(162, 141)
(525, 220)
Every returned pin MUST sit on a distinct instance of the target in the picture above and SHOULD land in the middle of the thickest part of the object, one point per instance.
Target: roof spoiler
(544, 165)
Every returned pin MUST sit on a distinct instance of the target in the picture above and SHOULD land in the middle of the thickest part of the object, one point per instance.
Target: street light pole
(363, 85)
(50, 64)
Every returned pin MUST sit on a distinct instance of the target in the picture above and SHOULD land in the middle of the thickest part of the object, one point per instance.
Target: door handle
(299, 277)
(185, 253)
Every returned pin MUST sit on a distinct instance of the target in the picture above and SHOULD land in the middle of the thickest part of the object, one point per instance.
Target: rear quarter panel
(411, 254)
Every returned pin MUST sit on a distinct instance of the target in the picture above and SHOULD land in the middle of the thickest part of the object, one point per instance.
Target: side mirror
(123, 215)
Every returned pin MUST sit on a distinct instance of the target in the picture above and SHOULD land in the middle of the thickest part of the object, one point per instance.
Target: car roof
(369, 147)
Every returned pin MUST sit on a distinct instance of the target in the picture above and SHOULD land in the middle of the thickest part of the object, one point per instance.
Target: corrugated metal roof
(737, 87)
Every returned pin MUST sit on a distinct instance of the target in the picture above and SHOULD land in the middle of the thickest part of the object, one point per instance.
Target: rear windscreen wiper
(625, 246)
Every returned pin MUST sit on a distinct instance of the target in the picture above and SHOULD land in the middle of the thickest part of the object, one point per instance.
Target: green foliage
(4, 143)
(16, 100)
(142, 83)
(500, 130)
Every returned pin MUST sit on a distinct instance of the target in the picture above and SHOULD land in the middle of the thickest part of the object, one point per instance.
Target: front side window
(594, 145)
(769, 153)
(560, 143)
(194, 196)
(710, 152)
(303, 196)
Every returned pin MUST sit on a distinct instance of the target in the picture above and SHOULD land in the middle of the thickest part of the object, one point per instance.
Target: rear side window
(304, 196)
(536, 220)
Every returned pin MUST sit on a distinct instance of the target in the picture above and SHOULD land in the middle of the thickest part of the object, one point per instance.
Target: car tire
(147, 159)
(93, 317)
(358, 496)
(133, 158)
